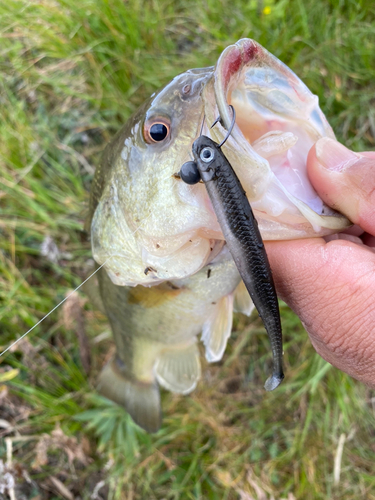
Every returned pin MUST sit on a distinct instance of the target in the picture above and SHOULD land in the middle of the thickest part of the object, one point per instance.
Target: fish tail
(140, 399)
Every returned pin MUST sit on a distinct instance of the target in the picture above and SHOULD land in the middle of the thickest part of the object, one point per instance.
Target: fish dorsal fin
(140, 399)
(216, 330)
(242, 301)
(179, 369)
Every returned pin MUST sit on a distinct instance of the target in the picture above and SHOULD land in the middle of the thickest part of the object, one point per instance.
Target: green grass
(70, 75)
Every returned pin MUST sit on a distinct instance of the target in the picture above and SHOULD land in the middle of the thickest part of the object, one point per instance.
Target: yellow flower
(266, 11)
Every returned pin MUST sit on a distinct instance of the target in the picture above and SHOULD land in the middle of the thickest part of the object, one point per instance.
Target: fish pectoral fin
(242, 301)
(179, 369)
(140, 399)
(216, 330)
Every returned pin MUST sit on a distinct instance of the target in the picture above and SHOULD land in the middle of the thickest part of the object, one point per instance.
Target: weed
(70, 75)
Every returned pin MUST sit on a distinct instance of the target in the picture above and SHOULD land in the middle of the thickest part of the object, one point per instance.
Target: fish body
(242, 236)
(167, 275)
(155, 330)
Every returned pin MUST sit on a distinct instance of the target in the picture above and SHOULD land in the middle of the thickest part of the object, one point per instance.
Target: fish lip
(230, 62)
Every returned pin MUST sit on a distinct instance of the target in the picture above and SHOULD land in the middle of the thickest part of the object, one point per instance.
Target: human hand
(331, 285)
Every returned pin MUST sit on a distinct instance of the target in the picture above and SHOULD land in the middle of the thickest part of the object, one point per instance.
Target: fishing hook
(204, 117)
(230, 128)
(189, 172)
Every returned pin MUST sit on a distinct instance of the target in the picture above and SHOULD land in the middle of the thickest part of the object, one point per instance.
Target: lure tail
(274, 381)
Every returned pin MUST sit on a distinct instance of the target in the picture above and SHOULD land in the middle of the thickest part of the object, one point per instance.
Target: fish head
(145, 222)
(148, 226)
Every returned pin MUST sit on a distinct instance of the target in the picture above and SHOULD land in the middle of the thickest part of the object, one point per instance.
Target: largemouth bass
(167, 274)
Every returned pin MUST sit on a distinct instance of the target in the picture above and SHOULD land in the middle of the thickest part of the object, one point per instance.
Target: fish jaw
(278, 121)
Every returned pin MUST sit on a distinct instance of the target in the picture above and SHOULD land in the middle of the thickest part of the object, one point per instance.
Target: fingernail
(334, 156)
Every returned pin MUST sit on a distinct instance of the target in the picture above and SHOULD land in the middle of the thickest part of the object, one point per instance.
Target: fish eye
(156, 130)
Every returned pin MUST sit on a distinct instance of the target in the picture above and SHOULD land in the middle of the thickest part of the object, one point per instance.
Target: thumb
(344, 180)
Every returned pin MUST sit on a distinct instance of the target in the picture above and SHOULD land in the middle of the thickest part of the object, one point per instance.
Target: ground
(70, 75)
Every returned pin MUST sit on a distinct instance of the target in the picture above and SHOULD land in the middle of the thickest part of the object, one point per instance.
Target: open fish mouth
(147, 235)
(278, 121)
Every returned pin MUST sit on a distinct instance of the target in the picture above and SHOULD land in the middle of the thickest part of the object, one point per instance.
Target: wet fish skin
(155, 330)
(244, 241)
(136, 212)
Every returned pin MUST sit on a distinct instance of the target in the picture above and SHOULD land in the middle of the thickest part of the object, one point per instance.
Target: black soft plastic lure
(243, 238)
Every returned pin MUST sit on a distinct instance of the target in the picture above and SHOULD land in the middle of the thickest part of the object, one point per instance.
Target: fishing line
(54, 309)
(71, 293)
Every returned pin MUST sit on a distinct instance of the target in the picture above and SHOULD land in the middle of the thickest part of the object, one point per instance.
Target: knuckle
(341, 321)
(347, 338)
